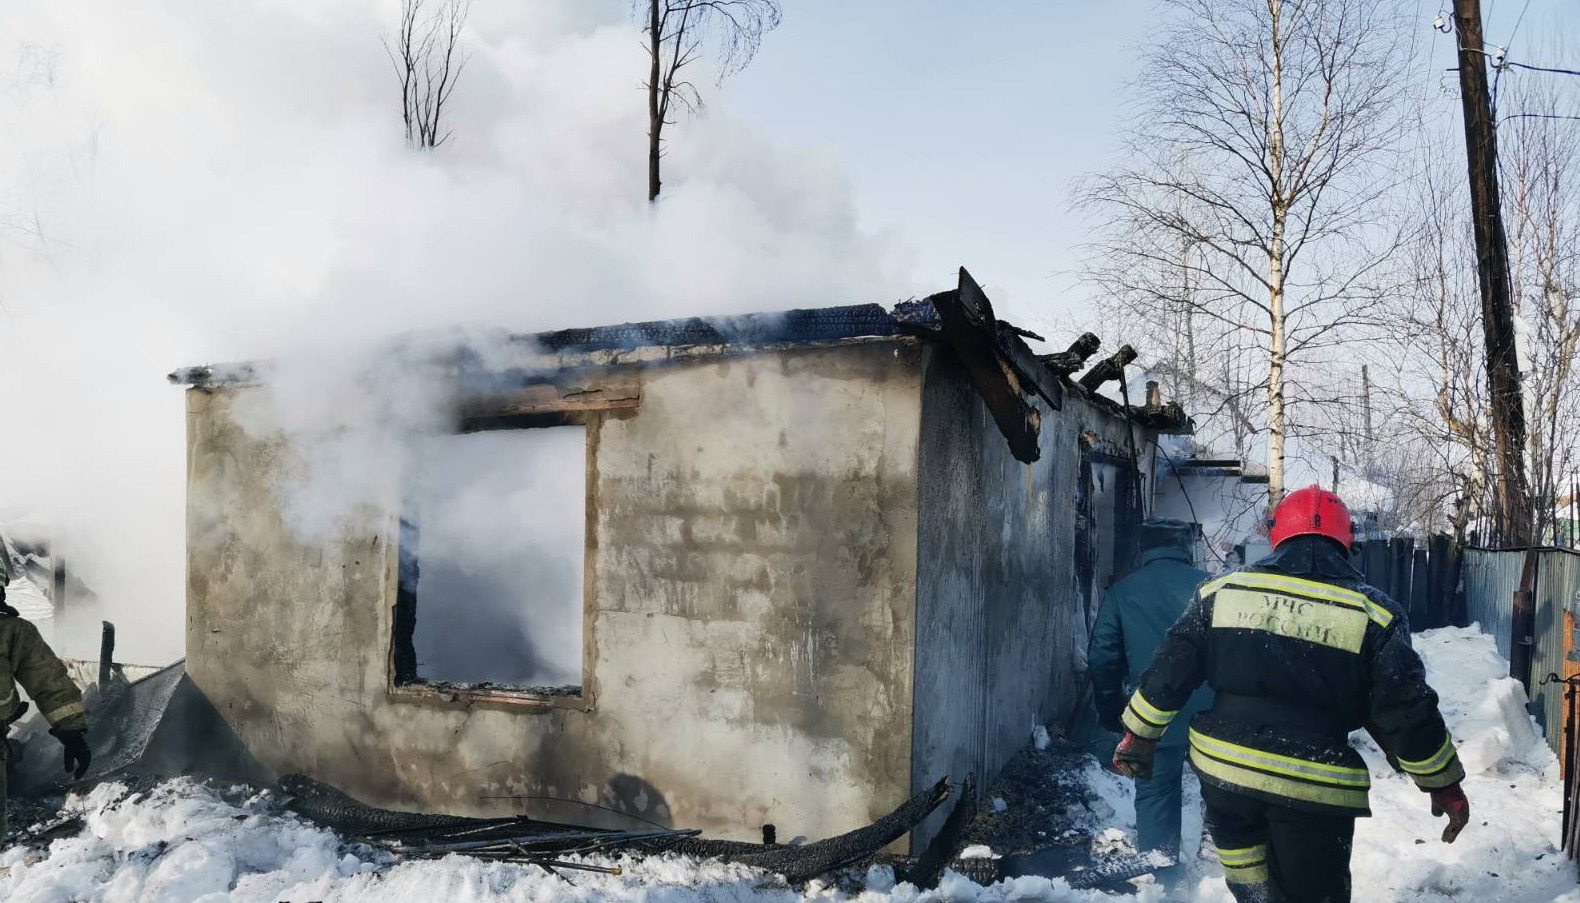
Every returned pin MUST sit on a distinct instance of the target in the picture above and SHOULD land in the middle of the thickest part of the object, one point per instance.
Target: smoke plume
(184, 182)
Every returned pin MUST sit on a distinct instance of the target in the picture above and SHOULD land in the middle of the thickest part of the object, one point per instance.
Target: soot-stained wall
(999, 606)
(751, 602)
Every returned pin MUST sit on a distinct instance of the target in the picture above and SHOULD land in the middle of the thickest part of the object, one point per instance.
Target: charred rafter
(1072, 359)
(1108, 369)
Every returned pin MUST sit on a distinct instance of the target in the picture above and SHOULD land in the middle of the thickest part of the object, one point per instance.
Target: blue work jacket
(1137, 612)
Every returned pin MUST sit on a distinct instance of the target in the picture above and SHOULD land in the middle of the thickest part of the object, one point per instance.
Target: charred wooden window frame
(539, 407)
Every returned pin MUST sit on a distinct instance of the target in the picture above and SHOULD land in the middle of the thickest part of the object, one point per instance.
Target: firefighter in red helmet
(1300, 652)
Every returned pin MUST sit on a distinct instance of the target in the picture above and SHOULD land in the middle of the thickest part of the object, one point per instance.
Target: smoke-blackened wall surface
(749, 604)
(1000, 631)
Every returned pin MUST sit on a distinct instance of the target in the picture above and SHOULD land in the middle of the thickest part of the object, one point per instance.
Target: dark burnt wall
(999, 599)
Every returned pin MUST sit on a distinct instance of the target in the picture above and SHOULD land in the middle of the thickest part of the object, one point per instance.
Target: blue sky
(962, 126)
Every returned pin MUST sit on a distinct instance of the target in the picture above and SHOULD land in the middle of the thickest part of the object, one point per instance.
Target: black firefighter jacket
(1300, 651)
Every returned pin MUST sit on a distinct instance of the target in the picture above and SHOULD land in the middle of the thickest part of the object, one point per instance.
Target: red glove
(1451, 801)
(1133, 757)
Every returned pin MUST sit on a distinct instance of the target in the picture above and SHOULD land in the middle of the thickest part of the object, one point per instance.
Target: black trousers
(1277, 854)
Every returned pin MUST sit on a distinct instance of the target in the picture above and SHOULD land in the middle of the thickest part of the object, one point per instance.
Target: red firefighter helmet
(1312, 510)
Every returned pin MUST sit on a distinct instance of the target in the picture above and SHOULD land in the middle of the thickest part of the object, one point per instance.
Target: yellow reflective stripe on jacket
(1301, 585)
(1137, 725)
(1441, 770)
(55, 716)
(1288, 788)
(1433, 763)
(1377, 613)
(1213, 586)
(1144, 719)
(1151, 712)
(1382, 616)
(1448, 777)
(1279, 764)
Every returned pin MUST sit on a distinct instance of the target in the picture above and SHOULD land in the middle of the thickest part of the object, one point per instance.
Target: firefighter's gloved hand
(1133, 757)
(1451, 801)
(77, 754)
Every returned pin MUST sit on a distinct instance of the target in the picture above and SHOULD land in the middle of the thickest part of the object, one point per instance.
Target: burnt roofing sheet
(824, 324)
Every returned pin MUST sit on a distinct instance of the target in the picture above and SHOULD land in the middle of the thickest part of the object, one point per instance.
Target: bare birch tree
(677, 33)
(425, 54)
(1263, 140)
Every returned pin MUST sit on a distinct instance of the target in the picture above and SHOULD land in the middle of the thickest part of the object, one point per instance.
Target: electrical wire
(1517, 22)
(1537, 116)
(1553, 69)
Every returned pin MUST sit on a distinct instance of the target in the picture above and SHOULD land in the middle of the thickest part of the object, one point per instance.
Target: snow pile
(185, 842)
(1510, 850)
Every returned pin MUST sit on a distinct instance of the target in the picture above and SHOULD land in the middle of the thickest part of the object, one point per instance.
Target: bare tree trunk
(1191, 366)
(1368, 436)
(1276, 419)
(1277, 352)
(655, 115)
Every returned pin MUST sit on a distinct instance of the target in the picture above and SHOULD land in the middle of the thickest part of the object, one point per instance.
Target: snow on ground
(187, 843)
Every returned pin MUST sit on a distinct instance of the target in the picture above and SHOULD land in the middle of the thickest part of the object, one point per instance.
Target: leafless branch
(424, 53)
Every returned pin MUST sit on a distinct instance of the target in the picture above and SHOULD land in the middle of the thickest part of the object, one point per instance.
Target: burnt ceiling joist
(1008, 375)
(1004, 373)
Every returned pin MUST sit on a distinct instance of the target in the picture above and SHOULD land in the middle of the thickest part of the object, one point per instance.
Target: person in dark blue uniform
(1137, 612)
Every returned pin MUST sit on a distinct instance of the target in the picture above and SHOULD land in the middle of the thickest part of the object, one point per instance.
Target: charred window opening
(492, 552)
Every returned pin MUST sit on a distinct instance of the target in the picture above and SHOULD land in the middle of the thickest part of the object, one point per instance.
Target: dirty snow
(187, 843)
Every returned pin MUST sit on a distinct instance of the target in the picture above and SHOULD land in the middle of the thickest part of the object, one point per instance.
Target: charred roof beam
(1002, 369)
(1108, 369)
(1072, 359)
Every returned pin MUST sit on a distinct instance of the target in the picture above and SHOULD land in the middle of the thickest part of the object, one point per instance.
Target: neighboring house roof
(1001, 365)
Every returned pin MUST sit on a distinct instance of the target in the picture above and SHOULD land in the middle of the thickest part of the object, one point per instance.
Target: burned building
(776, 569)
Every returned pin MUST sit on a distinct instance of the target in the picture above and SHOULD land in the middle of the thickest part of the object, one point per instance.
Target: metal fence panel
(1557, 591)
(1490, 579)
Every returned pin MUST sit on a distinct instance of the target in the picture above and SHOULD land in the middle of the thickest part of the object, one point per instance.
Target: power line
(1517, 22)
(1537, 116)
(1553, 69)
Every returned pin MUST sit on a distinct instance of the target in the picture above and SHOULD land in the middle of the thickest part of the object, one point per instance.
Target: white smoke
(184, 181)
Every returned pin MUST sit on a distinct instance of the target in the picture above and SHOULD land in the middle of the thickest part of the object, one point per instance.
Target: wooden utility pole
(1492, 267)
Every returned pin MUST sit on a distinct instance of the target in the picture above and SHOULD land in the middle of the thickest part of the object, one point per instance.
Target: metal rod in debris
(516, 854)
(601, 838)
(577, 866)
